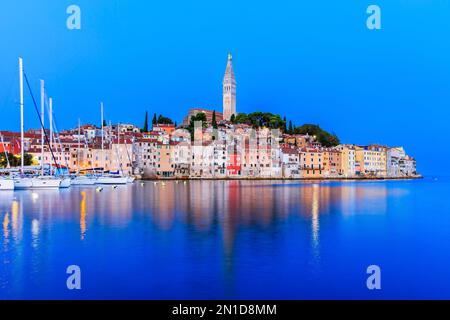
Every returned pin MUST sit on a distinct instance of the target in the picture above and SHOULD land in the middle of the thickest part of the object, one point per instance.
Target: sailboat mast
(118, 148)
(42, 126)
(50, 119)
(22, 153)
(78, 151)
(103, 155)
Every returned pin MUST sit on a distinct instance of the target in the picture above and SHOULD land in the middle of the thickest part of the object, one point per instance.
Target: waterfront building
(394, 156)
(311, 162)
(290, 162)
(332, 163)
(408, 166)
(182, 159)
(348, 160)
(220, 159)
(202, 160)
(372, 160)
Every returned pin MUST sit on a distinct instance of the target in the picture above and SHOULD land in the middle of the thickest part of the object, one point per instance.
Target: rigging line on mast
(58, 140)
(40, 120)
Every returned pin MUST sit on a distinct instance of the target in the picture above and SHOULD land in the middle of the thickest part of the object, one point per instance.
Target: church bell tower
(229, 91)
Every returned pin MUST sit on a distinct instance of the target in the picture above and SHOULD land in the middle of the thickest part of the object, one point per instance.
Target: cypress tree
(145, 128)
(214, 122)
(154, 121)
(291, 130)
(284, 125)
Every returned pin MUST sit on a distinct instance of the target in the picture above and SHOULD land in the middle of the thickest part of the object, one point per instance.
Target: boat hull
(23, 183)
(6, 184)
(83, 181)
(44, 183)
(65, 183)
(112, 180)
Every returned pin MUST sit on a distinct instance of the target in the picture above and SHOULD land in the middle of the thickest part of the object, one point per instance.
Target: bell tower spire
(229, 91)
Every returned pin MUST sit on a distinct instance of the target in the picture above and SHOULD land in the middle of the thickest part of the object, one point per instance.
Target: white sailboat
(84, 181)
(22, 181)
(65, 180)
(45, 182)
(6, 184)
(109, 178)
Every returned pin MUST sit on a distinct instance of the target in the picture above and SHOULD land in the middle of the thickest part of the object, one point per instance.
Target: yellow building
(311, 163)
(371, 160)
(348, 160)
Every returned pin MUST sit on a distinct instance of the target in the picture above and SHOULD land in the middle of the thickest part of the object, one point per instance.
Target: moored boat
(21, 183)
(45, 182)
(84, 180)
(6, 184)
(65, 182)
(112, 179)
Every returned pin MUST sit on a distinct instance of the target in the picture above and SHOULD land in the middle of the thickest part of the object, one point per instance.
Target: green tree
(214, 122)
(27, 159)
(233, 118)
(198, 117)
(285, 125)
(145, 128)
(154, 120)
(291, 129)
(164, 120)
(325, 138)
(14, 161)
(104, 123)
(241, 118)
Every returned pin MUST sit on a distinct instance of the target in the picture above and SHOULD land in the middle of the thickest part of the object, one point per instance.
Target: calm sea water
(228, 239)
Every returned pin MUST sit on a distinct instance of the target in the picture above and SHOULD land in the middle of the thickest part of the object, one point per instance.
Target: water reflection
(83, 215)
(235, 214)
(315, 221)
(6, 227)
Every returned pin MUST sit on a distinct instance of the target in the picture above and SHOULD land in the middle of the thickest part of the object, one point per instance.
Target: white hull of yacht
(65, 183)
(112, 180)
(23, 183)
(130, 179)
(84, 181)
(6, 184)
(45, 183)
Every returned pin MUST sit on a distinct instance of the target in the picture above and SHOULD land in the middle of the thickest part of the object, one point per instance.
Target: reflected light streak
(35, 232)
(6, 226)
(315, 220)
(15, 218)
(83, 215)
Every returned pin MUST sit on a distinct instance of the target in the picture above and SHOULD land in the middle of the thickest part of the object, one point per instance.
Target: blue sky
(315, 62)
